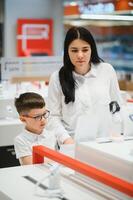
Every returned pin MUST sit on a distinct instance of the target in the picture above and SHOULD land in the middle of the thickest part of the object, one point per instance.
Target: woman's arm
(114, 88)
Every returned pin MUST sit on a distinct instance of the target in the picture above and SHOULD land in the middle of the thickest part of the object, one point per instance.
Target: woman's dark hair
(27, 101)
(66, 78)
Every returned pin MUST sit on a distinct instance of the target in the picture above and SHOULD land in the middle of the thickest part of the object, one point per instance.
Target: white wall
(15, 9)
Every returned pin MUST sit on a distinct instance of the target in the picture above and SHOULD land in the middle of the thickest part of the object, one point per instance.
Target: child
(32, 112)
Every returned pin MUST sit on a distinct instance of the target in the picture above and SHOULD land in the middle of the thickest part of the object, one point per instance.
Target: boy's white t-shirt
(24, 142)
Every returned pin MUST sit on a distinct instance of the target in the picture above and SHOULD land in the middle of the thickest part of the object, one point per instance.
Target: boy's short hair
(27, 101)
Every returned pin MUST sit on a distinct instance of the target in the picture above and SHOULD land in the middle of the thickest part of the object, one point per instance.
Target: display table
(14, 185)
(7, 108)
(115, 158)
(9, 128)
(101, 181)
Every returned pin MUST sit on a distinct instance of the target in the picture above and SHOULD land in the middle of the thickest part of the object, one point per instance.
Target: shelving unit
(114, 37)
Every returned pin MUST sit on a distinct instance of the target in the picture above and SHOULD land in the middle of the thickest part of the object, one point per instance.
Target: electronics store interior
(61, 138)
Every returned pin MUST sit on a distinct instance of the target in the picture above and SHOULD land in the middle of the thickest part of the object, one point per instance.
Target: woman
(83, 82)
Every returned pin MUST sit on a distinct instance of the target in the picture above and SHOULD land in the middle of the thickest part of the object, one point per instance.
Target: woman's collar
(91, 73)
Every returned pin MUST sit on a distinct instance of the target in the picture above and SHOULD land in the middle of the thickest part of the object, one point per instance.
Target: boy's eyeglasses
(39, 117)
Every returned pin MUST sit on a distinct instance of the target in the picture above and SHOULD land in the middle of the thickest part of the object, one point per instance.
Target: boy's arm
(69, 141)
(26, 160)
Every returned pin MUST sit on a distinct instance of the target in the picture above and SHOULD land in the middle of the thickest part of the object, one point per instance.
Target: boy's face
(35, 120)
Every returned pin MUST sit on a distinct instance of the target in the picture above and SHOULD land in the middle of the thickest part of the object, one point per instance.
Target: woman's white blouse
(98, 87)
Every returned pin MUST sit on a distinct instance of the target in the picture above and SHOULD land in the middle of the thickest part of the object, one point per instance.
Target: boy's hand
(69, 141)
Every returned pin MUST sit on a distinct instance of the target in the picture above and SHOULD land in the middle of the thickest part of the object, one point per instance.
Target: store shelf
(106, 17)
(113, 34)
(123, 17)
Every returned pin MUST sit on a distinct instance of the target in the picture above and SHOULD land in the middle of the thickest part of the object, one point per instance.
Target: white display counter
(115, 158)
(7, 108)
(9, 129)
(13, 185)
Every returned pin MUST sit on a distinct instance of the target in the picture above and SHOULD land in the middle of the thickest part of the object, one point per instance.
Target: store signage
(29, 66)
(34, 37)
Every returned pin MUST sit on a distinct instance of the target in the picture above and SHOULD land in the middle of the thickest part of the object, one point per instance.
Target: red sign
(34, 37)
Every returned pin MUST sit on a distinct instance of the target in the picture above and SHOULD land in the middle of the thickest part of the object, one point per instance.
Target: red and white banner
(34, 37)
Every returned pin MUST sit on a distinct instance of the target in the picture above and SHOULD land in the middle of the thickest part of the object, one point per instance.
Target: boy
(32, 112)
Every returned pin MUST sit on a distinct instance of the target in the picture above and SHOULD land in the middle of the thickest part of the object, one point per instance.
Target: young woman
(84, 83)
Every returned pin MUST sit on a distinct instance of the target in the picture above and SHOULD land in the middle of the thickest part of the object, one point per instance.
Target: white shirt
(24, 142)
(98, 86)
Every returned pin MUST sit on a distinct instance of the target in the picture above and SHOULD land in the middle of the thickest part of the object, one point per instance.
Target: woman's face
(80, 53)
